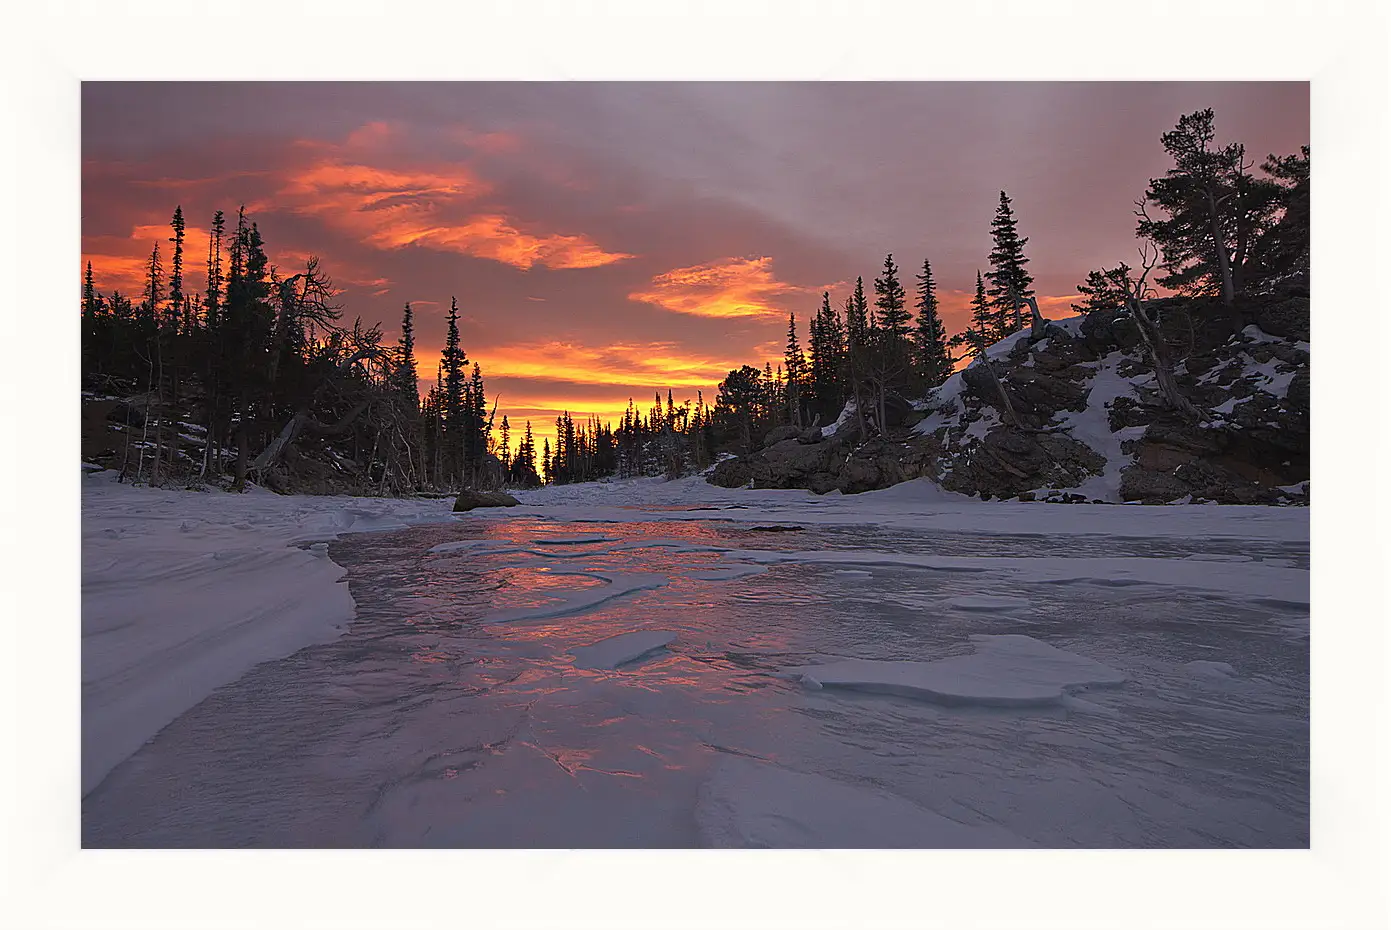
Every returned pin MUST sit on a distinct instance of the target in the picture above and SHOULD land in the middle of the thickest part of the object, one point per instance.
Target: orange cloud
(725, 288)
(121, 262)
(392, 209)
(116, 272)
(493, 236)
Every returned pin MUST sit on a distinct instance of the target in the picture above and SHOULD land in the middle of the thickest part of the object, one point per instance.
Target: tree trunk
(1007, 408)
(1039, 325)
(1219, 242)
(239, 482)
(1159, 355)
(291, 431)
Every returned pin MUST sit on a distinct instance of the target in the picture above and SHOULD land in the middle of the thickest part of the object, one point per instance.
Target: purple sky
(607, 240)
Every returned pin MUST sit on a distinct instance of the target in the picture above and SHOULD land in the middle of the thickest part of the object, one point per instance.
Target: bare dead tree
(360, 345)
(1006, 407)
(1153, 339)
(1038, 326)
(303, 300)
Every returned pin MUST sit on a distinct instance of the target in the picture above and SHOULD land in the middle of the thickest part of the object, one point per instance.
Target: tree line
(270, 360)
(1221, 231)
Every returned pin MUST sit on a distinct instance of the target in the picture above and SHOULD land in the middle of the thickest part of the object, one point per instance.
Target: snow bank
(1091, 426)
(918, 506)
(746, 803)
(846, 413)
(1004, 671)
(621, 649)
(185, 592)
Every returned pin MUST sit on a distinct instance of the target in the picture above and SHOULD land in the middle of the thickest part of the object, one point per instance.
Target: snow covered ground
(647, 663)
(918, 506)
(184, 592)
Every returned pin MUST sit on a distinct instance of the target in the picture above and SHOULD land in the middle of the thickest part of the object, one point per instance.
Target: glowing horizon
(608, 241)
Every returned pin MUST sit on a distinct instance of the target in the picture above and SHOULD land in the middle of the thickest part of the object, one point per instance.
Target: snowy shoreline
(184, 592)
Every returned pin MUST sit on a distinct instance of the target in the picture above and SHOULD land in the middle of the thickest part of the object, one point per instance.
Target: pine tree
(407, 379)
(89, 293)
(857, 317)
(828, 360)
(891, 302)
(797, 376)
(1107, 289)
(930, 339)
(1283, 249)
(528, 450)
(453, 361)
(546, 474)
(176, 270)
(478, 419)
(1217, 212)
(983, 318)
(212, 302)
(154, 293)
(1010, 284)
(93, 338)
(505, 452)
(857, 348)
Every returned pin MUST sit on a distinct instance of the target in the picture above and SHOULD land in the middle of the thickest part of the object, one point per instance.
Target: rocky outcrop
(1085, 420)
(830, 464)
(1010, 461)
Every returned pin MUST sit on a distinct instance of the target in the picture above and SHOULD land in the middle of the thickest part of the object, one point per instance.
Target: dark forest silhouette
(267, 366)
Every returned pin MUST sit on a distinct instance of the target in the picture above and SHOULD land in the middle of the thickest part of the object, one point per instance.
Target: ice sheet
(1004, 671)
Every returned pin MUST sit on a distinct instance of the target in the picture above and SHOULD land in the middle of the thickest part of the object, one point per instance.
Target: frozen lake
(481, 696)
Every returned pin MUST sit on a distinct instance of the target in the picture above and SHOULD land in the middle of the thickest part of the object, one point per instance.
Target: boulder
(1287, 317)
(1010, 461)
(731, 473)
(1042, 394)
(1104, 331)
(468, 500)
(789, 464)
(897, 410)
(778, 433)
(979, 384)
(810, 435)
(1151, 487)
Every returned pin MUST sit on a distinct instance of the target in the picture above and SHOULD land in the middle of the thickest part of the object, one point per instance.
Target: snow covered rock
(1085, 420)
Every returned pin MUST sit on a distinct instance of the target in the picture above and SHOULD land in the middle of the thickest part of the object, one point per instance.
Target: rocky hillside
(1088, 422)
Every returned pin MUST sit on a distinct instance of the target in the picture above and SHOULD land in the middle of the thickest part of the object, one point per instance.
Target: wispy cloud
(725, 288)
(438, 206)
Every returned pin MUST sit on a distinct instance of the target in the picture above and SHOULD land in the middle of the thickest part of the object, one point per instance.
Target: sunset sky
(606, 241)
